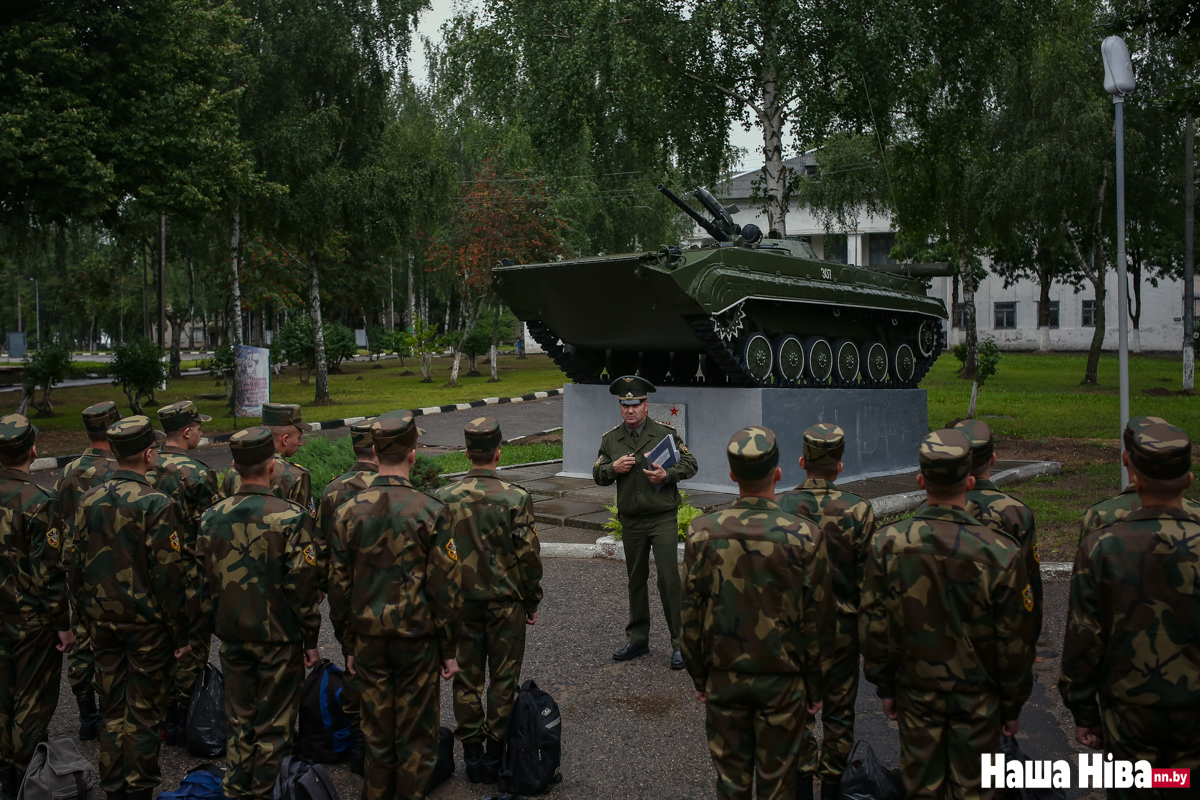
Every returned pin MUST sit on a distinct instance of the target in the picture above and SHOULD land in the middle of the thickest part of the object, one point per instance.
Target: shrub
(339, 344)
(326, 459)
(138, 369)
(296, 344)
(46, 366)
(683, 516)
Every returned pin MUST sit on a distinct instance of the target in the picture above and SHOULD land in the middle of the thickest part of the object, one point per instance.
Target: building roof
(741, 186)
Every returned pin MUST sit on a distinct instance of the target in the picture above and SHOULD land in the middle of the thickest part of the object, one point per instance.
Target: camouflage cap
(630, 389)
(945, 457)
(179, 415)
(482, 435)
(16, 435)
(1135, 424)
(824, 445)
(360, 434)
(394, 432)
(252, 446)
(980, 436)
(281, 414)
(130, 436)
(98, 418)
(752, 453)
(1162, 451)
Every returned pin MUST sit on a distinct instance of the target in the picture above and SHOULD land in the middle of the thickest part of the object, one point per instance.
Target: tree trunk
(408, 319)
(175, 370)
(1134, 299)
(426, 367)
(1044, 281)
(162, 280)
(967, 272)
(495, 343)
(314, 298)
(26, 396)
(974, 398)
(774, 171)
(235, 239)
(1093, 359)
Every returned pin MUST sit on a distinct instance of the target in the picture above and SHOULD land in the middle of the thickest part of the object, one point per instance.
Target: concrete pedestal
(883, 427)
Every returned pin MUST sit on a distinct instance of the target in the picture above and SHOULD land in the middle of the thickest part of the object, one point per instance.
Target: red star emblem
(674, 411)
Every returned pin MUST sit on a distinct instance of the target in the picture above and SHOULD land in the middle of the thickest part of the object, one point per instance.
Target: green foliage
(327, 458)
(44, 367)
(138, 369)
(294, 342)
(987, 358)
(224, 360)
(683, 515)
(380, 341)
(613, 526)
(339, 344)
(509, 454)
(478, 341)
(426, 474)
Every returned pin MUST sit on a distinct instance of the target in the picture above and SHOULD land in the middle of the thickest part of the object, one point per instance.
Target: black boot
(176, 725)
(804, 790)
(830, 789)
(357, 748)
(473, 761)
(492, 757)
(119, 795)
(89, 717)
(140, 794)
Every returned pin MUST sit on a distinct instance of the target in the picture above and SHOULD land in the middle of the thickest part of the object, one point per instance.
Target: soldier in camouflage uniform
(128, 573)
(1130, 659)
(648, 511)
(1115, 509)
(91, 469)
(1002, 512)
(946, 621)
(501, 567)
(291, 481)
(395, 601)
(260, 596)
(848, 523)
(756, 640)
(35, 613)
(192, 487)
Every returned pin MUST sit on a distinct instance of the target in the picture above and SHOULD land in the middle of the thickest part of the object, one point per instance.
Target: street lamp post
(37, 304)
(1119, 81)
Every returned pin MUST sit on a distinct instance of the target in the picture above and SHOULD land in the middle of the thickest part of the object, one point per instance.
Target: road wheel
(820, 360)
(789, 359)
(757, 357)
(904, 365)
(847, 362)
(875, 364)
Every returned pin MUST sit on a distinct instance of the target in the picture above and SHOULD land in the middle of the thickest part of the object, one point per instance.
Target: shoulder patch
(312, 508)
(175, 541)
(1028, 597)
(451, 549)
(683, 448)
(613, 428)
(1037, 556)
(310, 555)
(52, 538)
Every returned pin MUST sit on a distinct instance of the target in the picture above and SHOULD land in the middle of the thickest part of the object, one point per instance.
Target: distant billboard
(253, 380)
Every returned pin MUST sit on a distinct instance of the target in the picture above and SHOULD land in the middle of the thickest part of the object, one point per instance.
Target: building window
(1006, 315)
(880, 245)
(1088, 318)
(1053, 313)
(835, 247)
(959, 319)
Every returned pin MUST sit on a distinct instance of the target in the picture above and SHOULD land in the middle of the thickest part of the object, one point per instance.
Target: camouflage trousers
(399, 699)
(30, 673)
(133, 663)
(641, 535)
(942, 739)
(837, 711)
(755, 724)
(262, 699)
(81, 664)
(1164, 738)
(186, 671)
(492, 642)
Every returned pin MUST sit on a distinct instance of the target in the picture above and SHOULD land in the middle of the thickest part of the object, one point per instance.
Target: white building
(1007, 313)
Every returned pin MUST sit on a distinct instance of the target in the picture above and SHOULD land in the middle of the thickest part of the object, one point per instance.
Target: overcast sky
(430, 27)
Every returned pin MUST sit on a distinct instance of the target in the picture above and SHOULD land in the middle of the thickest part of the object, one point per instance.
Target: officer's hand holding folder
(665, 455)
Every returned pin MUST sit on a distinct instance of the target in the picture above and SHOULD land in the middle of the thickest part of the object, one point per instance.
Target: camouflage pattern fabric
(1006, 514)
(30, 674)
(263, 686)
(133, 661)
(492, 643)
(941, 739)
(636, 496)
(753, 453)
(1158, 735)
(1114, 509)
(945, 457)
(291, 482)
(847, 522)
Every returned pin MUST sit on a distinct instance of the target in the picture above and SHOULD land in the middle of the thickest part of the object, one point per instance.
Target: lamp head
(1118, 68)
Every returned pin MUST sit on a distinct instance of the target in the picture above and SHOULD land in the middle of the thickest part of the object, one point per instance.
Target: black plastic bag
(1013, 752)
(866, 779)
(206, 715)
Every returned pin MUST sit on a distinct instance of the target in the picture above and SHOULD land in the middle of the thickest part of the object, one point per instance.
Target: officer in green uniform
(291, 481)
(647, 503)
(395, 604)
(946, 622)
(1130, 658)
(128, 573)
(756, 640)
(192, 487)
(35, 613)
(848, 523)
(501, 567)
(260, 596)
(92, 468)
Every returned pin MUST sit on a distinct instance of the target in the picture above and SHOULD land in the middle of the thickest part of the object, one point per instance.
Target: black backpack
(325, 734)
(533, 744)
(301, 779)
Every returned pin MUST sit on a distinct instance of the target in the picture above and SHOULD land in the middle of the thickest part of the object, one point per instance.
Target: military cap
(98, 418)
(130, 436)
(1134, 425)
(252, 446)
(980, 436)
(16, 434)
(945, 457)
(482, 434)
(394, 432)
(753, 453)
(824, 445)
(1162, 451)
(281, 414)
(180, 415)
(630, 389)
(360, 434)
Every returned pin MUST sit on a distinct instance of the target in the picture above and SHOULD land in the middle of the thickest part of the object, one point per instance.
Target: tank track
(561, 356)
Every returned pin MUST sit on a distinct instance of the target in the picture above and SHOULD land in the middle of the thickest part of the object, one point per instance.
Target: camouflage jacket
(129, 566)
(291, 482)
(1006, 514)
(756, 595)
(1114, 509)
(946, 608)
(848, 522)
(1134, 612)
(394, 567)
(192, 487)
(636, 495)
(498, 548)
(33, 582)
(91, 469)
(260, 570)
(338, 491)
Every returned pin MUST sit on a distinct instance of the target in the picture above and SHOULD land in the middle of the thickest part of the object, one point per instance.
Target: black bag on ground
(443, 767)
(206, 715)
(1012, 752)
(533, 744)
(866, 779)
(301, 779)
(325, 734)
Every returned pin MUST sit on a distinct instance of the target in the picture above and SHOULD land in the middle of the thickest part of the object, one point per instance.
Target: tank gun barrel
(937, 269)
(709, 227)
